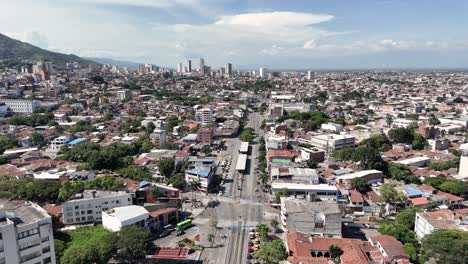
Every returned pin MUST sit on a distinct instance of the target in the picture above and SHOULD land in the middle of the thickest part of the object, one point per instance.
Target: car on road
(252, 235)
(256, 241)
(251, 243)
(165, 233)
(250, 249)
(180, 232)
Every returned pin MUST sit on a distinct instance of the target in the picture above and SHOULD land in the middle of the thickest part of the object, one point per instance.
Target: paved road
(240, 209)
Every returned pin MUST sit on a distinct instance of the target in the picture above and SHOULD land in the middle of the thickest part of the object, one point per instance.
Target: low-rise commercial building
(87, 208)
(312, 218)
(119, 217)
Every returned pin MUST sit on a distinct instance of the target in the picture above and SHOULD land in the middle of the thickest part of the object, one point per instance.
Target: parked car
(250, 249)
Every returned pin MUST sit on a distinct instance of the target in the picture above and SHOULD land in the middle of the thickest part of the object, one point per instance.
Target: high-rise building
(26, 233)
(228, 69)
(204, 116)
(189, 66)
(463, 170)
(202, 66)
(180, 67)
(309, 75)
(263, 72)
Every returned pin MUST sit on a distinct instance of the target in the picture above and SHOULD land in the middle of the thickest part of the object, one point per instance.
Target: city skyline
(296, 35)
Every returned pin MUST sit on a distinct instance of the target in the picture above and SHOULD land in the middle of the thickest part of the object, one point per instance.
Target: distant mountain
(129, 64)
(12, 49)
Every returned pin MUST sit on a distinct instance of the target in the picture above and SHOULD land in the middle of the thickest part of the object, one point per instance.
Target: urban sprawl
(104, 164)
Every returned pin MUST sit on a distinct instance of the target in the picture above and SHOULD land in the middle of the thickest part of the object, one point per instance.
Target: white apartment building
(333, 142)
(158, 138)
(335, 128)
(117, 218)
(428, 222)
(123, 94)
(26, 234)
(263, 72)
(204, 116)
(403, 122)
(88, 208)
(463, 170)
(21, 106)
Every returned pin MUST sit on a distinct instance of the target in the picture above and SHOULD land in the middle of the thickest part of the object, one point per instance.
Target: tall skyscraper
(202, 66)
(263, 72)
(309, 75)
(228, 69)
(180, 67)
(189, 66)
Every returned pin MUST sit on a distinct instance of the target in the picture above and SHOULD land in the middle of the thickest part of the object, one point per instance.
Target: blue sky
(302, 34)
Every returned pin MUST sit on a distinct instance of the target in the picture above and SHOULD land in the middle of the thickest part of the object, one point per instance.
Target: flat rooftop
(20, 212)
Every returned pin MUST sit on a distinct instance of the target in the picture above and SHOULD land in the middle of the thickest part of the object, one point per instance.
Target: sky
(277, 34)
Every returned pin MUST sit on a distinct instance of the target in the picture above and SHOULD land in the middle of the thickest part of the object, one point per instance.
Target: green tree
(171, 122)
(360, 185)
(206, 149)
(401, 172)
(412, 251)
(419, 142)
(193, 186)
(344, 154)
(178, 181)
(7, 143)
(166, 167)
(380, 142)
(272, 252)
(157, 193)
(433, 121)
(401, 135)
(335, 253)
(445, 246)
(455, 187)
(282, 193)
(406, 217)
(388, 194)
(311, 164)
(150, 127)
(82, 254)
(400, 232)
(262, 230)
(133, 244)
(37, 139)
(211, 238)
(274, 223)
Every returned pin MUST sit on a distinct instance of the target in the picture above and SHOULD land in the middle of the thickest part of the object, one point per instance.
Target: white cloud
(273, 50)
(32, 37)
(144, 3)
(274, 19)
(91, 28)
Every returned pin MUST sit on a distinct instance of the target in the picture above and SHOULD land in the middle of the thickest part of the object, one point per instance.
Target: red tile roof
(280, 153)
(419, 201)
(354, 250)
(355, 196)
(162, 211)
(390, 245)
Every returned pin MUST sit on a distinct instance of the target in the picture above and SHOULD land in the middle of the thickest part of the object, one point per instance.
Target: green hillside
(15, 50)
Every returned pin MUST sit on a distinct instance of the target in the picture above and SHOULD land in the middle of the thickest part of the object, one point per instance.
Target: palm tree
(335, 253)
(194, 185)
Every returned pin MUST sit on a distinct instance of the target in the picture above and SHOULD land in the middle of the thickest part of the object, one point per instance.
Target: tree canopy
(272, 252)
(446, 246)
(360, 185)
(388, 193)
